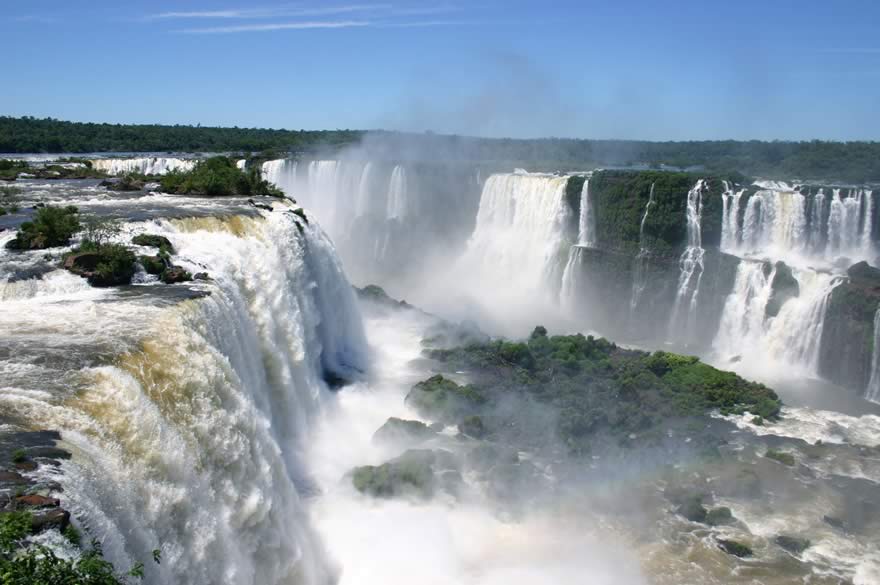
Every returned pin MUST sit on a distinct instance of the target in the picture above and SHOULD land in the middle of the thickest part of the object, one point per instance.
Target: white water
(872, 393)
(144, 165)
(782, 346)
(518, 248)
(222, 390)
(683, 318)
(782, 223)
(586, 219)
(639, 276)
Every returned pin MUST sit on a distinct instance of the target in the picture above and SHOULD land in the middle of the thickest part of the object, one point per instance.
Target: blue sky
(677, 69)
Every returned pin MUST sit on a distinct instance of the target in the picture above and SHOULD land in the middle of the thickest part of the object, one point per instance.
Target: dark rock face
(848, 334)
(784, 287)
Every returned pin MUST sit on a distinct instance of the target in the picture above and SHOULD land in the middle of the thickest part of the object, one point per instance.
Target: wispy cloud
(36, 18)
(257, 13)
(244, 28)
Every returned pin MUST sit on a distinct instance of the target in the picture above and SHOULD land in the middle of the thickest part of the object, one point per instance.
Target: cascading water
(520, 240)
(785, 223)
(586, 219)
(691, 265)
(791, 339)
(730, 231)
(873, 391)
(639, 275)
(143, 165)
(223, 390)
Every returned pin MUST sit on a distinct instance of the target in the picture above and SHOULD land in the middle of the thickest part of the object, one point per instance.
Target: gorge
(236, 423)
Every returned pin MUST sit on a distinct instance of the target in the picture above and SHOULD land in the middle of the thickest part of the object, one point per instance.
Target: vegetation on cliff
(597, 389)
(218, 176)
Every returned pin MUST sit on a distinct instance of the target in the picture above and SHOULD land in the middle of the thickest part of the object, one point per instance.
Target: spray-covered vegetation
(598, 391)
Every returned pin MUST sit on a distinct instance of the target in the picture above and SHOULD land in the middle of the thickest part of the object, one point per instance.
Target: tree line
(854, 162)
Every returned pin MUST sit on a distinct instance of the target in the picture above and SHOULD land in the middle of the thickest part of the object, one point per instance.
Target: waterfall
(397, 194)
(873, 391)
(691, 266)
(144, 165)
(520, 239)
(223, 390)
(586, 221)
(789, 340)
(639, 275)
(784, 223)
(730, 231)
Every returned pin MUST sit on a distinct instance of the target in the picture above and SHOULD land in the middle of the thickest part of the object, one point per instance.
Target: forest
(852, 162)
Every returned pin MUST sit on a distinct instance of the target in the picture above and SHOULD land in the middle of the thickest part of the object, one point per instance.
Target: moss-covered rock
(103, 266)
(175, 274)
(693, 509)
(735, 548)
(439, 398)
(155, 265)
(417, 473)
(780, 456)
(397, 430)
(154, 241)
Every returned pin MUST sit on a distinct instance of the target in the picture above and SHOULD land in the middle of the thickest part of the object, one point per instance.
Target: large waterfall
(873, 391)
(765, 342)
(187, 419)
(155, 165)
(586, 219)
(518, 247)
(788, 223)
(387, 219)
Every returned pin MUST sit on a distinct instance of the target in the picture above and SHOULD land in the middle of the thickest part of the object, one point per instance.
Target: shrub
(51, 227)
(218, 176)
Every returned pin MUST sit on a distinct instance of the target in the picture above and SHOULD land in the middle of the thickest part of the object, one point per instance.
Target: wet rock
(396, 430)
(417, 473)
(783, 288)
(53, 518)
(48, 452)
(87, 264)
(12, 478)
(692, 508)
(26, 465)
(792, 544)
(719, 517)
(153, 241)
(37, 501)
(175, 274)
(834, 522)
(780, 456)
(153, 264)
(472, 426)
(734, 548)
(259, 205)
(201, 276)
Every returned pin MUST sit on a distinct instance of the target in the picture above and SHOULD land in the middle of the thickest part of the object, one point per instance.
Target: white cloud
(253, 13)
(332, 24)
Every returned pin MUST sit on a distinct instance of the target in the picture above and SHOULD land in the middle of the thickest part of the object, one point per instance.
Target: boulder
(734, 548)
(153, 241)
(89, 265)
(37, 501)
(201, 276)
(692, 508)
(397, 430)
(175, 274)
(719, 516)
(418, 473)
(441, 399)
(48, 519)
(792, 544)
